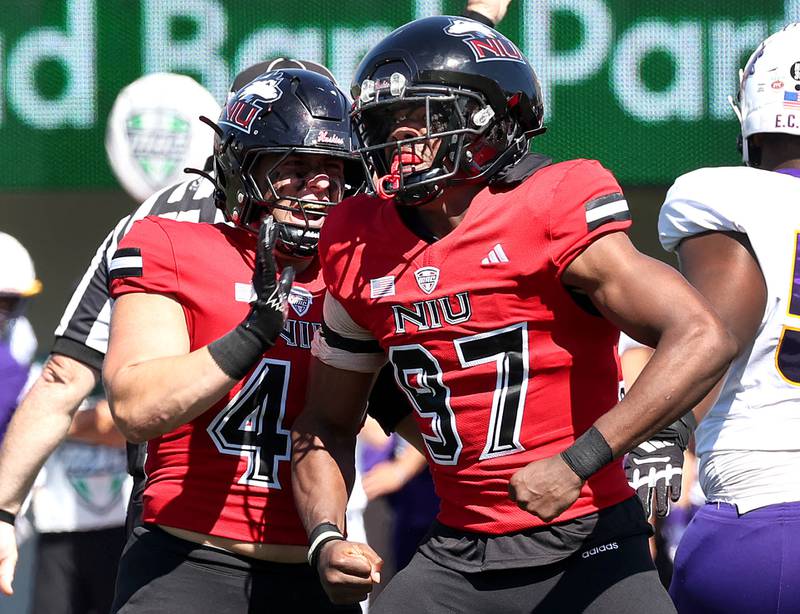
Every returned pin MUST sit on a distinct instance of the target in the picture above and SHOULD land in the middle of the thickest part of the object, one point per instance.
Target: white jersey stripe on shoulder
(125, 262)
(611, 208)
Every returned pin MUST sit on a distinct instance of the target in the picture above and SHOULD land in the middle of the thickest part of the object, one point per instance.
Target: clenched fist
(348, 570)
(545, 488)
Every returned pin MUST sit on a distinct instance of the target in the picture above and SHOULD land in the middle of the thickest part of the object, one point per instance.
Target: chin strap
(388, 185)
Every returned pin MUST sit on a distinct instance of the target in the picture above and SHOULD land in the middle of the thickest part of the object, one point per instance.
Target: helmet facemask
(271, 180)
(270, 129)
(454, 124)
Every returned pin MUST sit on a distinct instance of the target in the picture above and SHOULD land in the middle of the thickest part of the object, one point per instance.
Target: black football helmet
(481, 97)
(281, 112)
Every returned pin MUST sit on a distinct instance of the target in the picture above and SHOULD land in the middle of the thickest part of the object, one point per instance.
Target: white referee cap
(17, 275)
(153, 132)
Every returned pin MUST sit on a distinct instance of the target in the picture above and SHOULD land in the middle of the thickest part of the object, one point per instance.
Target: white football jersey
(759, 406)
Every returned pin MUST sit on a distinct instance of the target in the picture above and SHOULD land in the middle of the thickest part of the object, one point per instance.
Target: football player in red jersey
(210, 368)
(495, 284)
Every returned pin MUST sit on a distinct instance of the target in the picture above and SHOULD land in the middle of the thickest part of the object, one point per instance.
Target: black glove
(657, 465)
(268, 312)
(236, 352)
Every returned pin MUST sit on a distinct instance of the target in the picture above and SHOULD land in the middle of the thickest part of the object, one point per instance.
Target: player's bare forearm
(96, 426)
(153, 382)
(724, 269)
(323, 443)
(655, 305)
(323, 472)
(154, 397)
(673, 382)
(40, 424)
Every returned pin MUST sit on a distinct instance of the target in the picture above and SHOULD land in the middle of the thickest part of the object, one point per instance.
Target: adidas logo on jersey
(496, 255)
(598, 549)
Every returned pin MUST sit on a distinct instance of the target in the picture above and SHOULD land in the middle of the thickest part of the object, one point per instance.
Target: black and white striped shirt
(82, 333)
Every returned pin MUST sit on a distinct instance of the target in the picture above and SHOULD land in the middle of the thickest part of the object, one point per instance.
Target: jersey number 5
(418, 373)
(787, 356)
(251, 424)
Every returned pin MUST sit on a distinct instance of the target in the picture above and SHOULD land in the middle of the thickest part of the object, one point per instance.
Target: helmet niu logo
(483, 41)
(427, 278)
(244, 106)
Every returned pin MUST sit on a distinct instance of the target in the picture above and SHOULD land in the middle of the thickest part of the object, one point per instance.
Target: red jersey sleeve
(144, 261)
(586, 204)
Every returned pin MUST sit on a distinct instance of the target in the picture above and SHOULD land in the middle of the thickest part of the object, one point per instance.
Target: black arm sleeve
(387, 403)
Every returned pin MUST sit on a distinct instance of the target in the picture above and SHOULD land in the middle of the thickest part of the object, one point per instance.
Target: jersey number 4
(418, 373)
(251, 425)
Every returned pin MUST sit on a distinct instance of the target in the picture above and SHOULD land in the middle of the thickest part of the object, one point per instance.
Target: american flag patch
(127, 262)
(608, 208)
(381, 286)
(244, 293)
(791, 99)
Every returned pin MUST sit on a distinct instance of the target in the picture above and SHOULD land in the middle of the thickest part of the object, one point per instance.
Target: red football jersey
(228, 471)
(501, 364)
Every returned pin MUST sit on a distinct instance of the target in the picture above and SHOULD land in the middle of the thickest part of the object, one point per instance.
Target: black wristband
(236, 352)
(479, 17)
(321, 535)
(8, 517)
(588, 454)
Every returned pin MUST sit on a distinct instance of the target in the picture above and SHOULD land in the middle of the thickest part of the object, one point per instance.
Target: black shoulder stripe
(131, 272)
(127, 262)
(355, 346)
(605, 209)
(603, 200)
(126, 251)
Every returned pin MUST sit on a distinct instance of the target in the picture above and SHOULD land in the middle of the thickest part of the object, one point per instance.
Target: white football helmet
(769, 86)
(17, 275)
(153, 132)
(18, 283)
